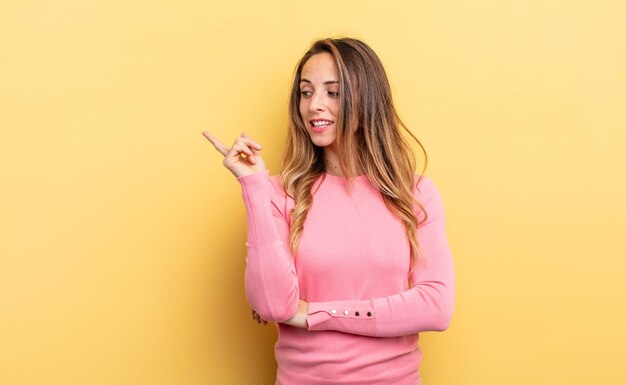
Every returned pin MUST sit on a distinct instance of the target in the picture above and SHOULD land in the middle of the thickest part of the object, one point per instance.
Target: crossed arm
(272, 283)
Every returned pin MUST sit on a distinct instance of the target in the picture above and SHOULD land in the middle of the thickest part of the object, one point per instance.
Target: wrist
(299, 319)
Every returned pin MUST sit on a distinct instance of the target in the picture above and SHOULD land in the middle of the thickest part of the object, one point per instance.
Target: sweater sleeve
(427, 306)
(271, 282)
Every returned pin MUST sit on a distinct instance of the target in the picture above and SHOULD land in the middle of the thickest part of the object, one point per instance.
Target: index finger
(219, 146)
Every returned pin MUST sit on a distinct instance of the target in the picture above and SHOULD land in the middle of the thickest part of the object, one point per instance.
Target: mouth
(320, 125)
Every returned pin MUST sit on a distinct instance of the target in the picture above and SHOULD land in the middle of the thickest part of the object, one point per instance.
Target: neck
(331, 160)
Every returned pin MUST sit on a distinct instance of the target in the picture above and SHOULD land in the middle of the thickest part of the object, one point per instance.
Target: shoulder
(277, 186)
(427, 194)
(424, 188)
(282, 203)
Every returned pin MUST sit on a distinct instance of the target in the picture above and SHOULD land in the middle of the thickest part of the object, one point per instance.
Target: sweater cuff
(254, 179)
(347, 316)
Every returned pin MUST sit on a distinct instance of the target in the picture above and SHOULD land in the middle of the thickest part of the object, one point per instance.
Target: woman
(347, 249)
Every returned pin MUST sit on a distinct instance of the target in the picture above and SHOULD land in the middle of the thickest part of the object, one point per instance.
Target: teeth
(321, 123)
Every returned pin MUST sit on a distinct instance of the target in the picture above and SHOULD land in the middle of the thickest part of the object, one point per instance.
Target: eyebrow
(303, 80)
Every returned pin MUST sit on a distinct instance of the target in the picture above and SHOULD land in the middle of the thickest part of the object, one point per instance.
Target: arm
(270, 280)
(425, 307)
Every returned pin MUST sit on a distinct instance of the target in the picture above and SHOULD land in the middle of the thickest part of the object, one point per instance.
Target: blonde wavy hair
(368, 126)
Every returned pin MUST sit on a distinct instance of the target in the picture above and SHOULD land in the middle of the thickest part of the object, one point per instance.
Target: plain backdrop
(122, 236)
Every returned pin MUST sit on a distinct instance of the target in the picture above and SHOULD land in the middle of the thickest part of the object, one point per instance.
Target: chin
(322, 143)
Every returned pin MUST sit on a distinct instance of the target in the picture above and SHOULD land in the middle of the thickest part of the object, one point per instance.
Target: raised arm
(427, 306)
(271, 281)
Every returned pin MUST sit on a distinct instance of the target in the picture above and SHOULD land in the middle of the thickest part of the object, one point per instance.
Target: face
(319, 99)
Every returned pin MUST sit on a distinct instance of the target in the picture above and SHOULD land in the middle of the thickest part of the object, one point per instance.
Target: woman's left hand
(257, 318)
(299, 320)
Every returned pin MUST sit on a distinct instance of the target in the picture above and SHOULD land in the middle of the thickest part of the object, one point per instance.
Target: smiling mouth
(321, 123)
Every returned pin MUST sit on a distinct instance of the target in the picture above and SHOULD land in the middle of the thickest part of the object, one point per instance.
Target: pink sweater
(352, 266)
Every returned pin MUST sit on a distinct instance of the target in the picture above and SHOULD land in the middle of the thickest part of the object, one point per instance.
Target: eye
(305, 93)
(334, 94)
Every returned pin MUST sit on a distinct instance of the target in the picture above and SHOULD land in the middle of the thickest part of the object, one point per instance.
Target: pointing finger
(219, 146)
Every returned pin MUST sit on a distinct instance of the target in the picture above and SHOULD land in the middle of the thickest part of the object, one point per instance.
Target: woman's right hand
(242, 158)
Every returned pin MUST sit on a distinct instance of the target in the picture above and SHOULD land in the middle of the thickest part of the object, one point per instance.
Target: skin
(319, 101)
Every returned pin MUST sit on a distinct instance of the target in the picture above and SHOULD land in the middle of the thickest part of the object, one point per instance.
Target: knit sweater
(352, 264)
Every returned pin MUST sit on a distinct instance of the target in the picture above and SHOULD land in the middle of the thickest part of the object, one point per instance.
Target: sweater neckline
(342, 179)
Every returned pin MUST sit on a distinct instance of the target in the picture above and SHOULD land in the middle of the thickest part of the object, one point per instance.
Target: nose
(317, 102)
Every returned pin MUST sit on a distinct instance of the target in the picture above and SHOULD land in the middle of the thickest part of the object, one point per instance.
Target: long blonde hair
(368, 125)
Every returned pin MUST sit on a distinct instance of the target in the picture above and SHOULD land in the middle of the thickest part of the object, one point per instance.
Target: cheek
(302, 108)
(334, 107)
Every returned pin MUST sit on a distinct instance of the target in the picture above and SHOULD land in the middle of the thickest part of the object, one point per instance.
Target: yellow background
(122, 236)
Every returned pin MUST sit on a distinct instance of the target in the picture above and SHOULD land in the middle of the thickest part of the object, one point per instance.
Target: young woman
(347, 247)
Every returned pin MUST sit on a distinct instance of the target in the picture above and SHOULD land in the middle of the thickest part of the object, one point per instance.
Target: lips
(320, 125)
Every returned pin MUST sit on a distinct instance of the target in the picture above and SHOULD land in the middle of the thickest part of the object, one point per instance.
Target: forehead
(320, 67)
